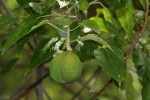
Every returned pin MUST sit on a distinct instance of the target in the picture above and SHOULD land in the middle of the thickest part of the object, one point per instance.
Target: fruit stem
(68, 33)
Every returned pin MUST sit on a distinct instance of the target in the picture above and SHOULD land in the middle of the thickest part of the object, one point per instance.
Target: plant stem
(102, 90)
(86, 83)
(23, 90)
(139, 34)
(2, 3)
(68, 33)
(38, 89)
(56, 27)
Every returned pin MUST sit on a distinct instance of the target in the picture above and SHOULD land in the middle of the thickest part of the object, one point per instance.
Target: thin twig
(30, 46)
(102, 90)
(38, 89)
(138, 36)
(45, 92)
(2, 3)
(86, 83)
(23, 90)
(68, 33)
(56, 27)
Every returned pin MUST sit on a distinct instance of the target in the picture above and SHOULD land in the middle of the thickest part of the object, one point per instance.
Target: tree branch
(2, 3)
(22, 91)
(102, 90)
(86, 83)
(139, 34)
(38, 89)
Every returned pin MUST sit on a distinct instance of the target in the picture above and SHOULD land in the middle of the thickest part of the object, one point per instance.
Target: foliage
(103, 34)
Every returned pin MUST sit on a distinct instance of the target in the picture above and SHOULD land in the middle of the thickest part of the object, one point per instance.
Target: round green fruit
(65, 67)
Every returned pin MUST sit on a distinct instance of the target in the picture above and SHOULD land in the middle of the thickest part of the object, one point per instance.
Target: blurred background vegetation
(13, 64)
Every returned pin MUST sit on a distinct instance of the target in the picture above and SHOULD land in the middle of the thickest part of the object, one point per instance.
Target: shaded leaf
(25, 5)
(24, 2)
(36, 7)
(75, 31)
(20, 43)
(126, 18)
(143, 3)
(6, 68)
(20, 32)
(111, 62)
(146, 86)
(42, 53)
(116, 4)
(83, 4)
(7, 20)
(86, 51)
(25, 28)
(91, 24)
(95, 38)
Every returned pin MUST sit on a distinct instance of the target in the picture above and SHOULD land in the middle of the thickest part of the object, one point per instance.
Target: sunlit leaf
(63, 3)
(36, 7)
(91, 24)
(105, 26)
(108, 17)
(83, 4)
(111, 62)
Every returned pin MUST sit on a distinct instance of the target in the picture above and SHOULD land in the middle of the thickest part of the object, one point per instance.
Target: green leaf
(116, 4)
(91, 24)
(7, 67)
(42, 53)
(7, 20)
(126, 18)
(19, 32)
(41, 23)
(25, 5)
(111, 62)
(20, 43)
(95, 38)
(36, 7)
(143, 3)
(75, 31)
(146, 86)
(63, 3)
(25, 28)
(85, 51)
(24, 2)
(130, 91)
(105, 26)
(108, 17)
(83, 5)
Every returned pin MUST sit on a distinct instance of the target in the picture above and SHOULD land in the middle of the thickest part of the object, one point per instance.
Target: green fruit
(65, 67)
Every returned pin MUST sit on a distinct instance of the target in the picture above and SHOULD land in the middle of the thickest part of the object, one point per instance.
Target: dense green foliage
(108, 39)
